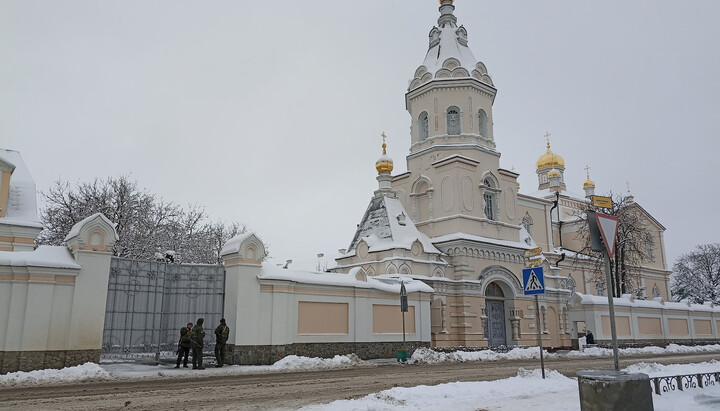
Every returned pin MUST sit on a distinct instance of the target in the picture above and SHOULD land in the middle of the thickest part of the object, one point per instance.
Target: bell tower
(454, 181)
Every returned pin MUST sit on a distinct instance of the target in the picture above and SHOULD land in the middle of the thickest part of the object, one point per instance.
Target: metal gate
(149, 301)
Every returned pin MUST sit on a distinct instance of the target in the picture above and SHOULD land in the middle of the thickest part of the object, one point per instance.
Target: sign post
(534, 284)
(403, 307)
(608, 225)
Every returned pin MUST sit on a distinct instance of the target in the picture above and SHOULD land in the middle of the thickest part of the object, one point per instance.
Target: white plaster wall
(89, 300)
(16, 316)
(5, 297)
(60, 312)
(37, 317)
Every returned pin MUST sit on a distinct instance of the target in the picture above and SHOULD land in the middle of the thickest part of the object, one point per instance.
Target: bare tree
(632, 245)
(696, 275)
(145, 225)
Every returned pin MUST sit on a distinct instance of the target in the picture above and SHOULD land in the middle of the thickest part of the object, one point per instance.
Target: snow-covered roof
(381, 283)
(233, 245)
(22, 198)
(627, 301)
(386, 225)
(521, 244)
(75, 230)
(448, 53)
(43, 256)
(547, 193)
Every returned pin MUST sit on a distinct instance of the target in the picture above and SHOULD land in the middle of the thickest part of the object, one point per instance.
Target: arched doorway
(495, 311)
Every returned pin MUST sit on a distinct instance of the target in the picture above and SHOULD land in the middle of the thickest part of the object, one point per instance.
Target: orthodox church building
(457, 221)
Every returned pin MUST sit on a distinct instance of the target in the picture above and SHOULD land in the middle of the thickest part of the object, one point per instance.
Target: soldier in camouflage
(197, 335)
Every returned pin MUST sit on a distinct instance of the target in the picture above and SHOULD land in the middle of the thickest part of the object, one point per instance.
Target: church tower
(454, 181)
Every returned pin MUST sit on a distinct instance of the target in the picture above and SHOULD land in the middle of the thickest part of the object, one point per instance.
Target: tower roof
(448, 53)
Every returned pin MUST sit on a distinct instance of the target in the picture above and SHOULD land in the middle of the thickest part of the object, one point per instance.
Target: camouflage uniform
(197, 336)
(183, 347)
(221, 337)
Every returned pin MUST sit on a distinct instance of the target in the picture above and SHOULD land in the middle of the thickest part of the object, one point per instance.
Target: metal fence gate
(149, 301)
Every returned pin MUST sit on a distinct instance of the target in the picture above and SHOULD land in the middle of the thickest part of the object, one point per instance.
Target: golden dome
(550, 159)
(384, 163)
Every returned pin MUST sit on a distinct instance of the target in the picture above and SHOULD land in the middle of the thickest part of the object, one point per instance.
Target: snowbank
(78, 373)
(429, 356)
(526, 390)
(295, 363)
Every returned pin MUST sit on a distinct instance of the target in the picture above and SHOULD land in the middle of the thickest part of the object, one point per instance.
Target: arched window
(489, 200)
(483, 123)
(494, 290)
(453, 121)
(527, 222)
(423, 126)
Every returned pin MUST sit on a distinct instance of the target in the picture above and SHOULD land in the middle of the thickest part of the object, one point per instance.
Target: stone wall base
(269, 354)
(11, 361)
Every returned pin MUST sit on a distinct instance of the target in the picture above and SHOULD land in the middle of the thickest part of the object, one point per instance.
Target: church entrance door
(496, 322)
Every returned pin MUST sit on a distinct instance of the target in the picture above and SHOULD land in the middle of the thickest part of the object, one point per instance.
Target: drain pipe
(556, 204)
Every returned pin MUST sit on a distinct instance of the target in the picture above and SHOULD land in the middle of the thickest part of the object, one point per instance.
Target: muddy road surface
(286, 390)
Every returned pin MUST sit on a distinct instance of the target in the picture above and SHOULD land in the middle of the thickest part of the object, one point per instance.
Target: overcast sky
(270, 112)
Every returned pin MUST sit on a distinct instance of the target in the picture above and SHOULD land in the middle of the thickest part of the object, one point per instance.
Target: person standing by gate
(198, 340)
(221, 336)
(184, 345)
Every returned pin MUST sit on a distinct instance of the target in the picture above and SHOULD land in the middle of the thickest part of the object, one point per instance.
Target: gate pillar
(249, 339)
(90, 241)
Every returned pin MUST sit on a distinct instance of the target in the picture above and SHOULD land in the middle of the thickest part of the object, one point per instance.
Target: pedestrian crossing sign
(533, 281)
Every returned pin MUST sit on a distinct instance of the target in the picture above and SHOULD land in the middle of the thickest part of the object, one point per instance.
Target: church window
(453, 121)
(650, 253)
(423, 125)
(489, 200)
(483, 123)
(600, 288)
(527, 222)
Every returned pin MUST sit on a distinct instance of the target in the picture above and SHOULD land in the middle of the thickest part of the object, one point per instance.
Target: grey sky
(269, 112)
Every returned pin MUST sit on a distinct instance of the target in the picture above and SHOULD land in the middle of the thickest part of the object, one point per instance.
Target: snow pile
(670, 349)
(429, 356)
(295, 363)
(526, 390)
(660, 370)
(85, 372)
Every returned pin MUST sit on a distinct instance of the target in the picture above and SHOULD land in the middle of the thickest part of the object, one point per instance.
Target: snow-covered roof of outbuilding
(234, 244)
(382, 283)
(43, 256)
(22, 198)
(386, 225)
(75, 230)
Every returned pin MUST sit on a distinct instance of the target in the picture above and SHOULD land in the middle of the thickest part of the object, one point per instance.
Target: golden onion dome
(550, 159)
(384, 163)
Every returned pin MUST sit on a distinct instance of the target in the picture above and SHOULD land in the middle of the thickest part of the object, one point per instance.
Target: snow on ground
(85, 372)
(111, 371)
(116, 371)
(429, 356)
(528, 390)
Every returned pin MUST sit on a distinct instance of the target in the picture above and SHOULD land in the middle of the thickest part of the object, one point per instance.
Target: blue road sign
(533, 281)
